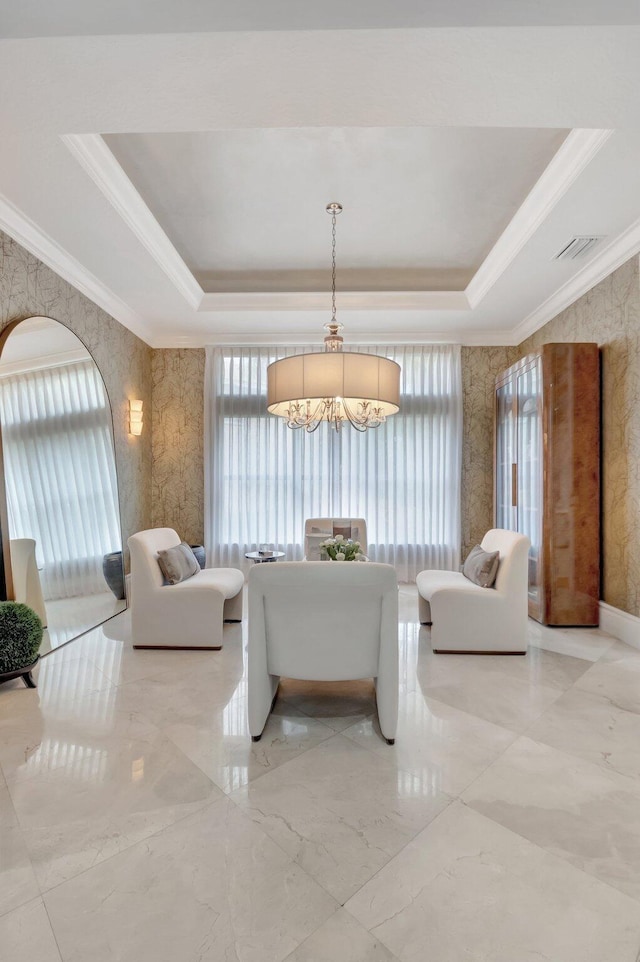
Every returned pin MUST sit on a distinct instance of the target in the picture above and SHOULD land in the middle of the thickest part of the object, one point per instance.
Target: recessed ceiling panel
(422, 206)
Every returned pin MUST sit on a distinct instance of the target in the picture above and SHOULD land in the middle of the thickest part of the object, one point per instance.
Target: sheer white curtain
(263, 480)
(60, 473)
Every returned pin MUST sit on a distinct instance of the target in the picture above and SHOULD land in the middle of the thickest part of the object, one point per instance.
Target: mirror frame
(7, 592)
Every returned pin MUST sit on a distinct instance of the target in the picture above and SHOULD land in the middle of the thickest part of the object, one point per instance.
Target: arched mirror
(62, 541)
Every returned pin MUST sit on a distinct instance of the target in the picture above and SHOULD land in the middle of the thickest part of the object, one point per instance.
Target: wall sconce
(135, 417)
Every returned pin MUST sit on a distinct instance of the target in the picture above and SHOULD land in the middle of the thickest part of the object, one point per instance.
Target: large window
(263, 480)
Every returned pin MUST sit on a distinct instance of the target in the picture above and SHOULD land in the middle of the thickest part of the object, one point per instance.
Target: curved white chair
(323, 622)
(26, 577)
(317, 530)
(187, 615)
(468, 619)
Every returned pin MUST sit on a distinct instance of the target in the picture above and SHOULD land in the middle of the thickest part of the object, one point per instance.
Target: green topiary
(20, 636)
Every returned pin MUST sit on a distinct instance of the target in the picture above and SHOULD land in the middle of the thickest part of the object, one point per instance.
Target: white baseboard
(620, 624)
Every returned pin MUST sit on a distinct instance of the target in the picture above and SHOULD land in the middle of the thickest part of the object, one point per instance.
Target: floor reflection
(68, 618)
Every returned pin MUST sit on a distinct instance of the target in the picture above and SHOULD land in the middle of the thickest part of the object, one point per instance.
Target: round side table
(258, 558)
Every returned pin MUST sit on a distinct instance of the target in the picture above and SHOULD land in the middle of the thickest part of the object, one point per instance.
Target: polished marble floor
(138, 823)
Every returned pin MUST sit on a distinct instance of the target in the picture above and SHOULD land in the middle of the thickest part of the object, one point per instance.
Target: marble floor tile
(341, 939)
(485, 690)
(340, 811)
(570, 807)
(538, 668)
(592, 727)
(184, 696)
(615, 677)
(468, 889)
(113, 804)
(105, 794)
(213, 887)
(219, 743)
(73, 700)
(440, 745)
(26, 935)
(337, 703)
(18, 882)
(586, 643)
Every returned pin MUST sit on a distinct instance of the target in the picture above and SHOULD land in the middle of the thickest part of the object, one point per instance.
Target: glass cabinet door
(505, 458)
(528, 481)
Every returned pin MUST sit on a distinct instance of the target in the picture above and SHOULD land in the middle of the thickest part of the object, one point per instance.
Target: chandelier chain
(333, 267)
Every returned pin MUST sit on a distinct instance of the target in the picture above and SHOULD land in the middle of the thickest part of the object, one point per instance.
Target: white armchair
(187, 615)
(317, 530)
(468, 619)
(26, 577)
(320, 621)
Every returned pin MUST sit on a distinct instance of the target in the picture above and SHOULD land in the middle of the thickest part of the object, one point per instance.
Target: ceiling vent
(577, 247)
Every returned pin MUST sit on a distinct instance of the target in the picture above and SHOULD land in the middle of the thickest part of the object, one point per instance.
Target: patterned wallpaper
(610, 315)
(178, 441)
(28, 287)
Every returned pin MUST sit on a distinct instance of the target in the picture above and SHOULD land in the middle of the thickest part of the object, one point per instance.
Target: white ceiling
(422, 206)
(44, 18)
(180, 180)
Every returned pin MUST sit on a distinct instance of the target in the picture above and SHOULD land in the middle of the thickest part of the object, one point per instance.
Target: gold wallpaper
(28, 287)
(610, 315)
(178, 442)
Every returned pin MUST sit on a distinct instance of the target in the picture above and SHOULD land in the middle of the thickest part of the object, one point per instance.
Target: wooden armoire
(547, 476)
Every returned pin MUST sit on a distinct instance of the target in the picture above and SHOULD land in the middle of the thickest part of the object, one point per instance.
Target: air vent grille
(577, 247)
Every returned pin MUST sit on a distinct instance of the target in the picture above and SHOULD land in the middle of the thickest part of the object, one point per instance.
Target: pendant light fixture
(336, 386)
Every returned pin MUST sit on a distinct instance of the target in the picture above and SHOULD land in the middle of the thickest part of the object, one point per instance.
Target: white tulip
(339, 539)
(340, 556)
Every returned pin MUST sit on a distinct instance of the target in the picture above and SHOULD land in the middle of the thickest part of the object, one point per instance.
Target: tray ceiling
(245, 209)
(179, 180)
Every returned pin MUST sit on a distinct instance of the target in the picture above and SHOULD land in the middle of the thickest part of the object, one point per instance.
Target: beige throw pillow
(481, 566)
(179, 563)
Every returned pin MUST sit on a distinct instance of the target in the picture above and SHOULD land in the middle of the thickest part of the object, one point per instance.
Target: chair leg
(390, 741)
(424, 608)
(256, 738)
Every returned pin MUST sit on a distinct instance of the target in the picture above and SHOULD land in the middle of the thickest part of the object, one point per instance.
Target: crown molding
(289, 338)
(574, 154)
(23, 230)
(608, 260)
(576, 151)
(99, 162)
(349, 301)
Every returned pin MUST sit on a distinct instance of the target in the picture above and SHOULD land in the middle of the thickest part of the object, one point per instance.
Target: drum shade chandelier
(335, 385)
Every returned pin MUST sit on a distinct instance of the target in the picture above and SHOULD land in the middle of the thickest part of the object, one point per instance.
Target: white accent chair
(468, 619)
(317, 530)
(26, 577)
(321, 621)
(187, 615)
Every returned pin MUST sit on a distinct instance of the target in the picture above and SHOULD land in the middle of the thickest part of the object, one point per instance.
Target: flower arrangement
(341, 549)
